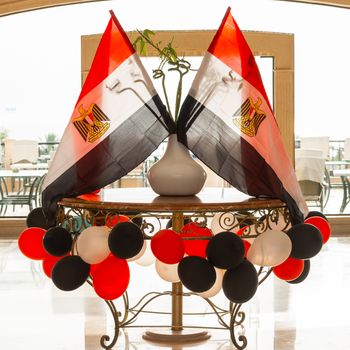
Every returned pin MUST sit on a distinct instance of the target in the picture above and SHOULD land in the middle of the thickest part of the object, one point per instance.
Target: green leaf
(147, 33)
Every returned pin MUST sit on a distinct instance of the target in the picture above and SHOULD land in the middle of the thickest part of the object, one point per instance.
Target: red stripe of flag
(114, 49)
(230, 47)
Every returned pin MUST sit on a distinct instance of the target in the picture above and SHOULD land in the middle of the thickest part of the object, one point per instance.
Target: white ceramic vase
(176, 173)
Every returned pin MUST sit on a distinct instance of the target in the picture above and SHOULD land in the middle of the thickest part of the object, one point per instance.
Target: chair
(13, 198)
(312, 177)
(346, 195)
(38, 190)
(320, 143)
(347, 149)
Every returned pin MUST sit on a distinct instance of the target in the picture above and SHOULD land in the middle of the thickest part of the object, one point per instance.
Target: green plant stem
(167, 55)
(178, 97)
(166, 97)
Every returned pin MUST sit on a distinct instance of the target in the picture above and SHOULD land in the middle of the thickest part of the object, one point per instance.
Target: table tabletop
(29, 166)
(22, 173)
(341, 172)
(338, 162)
(144, 199)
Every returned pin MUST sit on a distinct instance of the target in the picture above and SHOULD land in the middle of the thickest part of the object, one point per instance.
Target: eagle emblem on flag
(249, 117)
(92, 123)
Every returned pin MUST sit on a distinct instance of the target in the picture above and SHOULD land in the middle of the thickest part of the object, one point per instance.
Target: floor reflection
(312, 315)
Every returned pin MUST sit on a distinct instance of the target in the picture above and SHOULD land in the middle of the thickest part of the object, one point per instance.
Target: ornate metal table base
(176, 337)
(257, 215)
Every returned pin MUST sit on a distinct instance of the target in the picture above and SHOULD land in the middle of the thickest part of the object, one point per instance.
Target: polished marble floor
(34, 315)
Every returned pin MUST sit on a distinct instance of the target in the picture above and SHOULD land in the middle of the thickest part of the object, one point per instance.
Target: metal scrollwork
(105, 341)
(200, 219)
(228, 221)
(236, 325)
(150, 225)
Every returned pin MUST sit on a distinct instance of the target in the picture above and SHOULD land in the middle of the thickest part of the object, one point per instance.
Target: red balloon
(49, 262)
(167, 246)
(322, 225)
(246, 246)
(111, 278)
(116, 219)
(94, 267)
(290, 269)
(195, 246)
(30, 243)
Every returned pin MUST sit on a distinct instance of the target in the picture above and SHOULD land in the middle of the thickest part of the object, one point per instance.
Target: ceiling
(8, 7)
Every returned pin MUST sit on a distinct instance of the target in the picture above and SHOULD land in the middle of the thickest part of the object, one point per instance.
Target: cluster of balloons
(208, 260)
(307, 239)
(100, 252)
(204, 260)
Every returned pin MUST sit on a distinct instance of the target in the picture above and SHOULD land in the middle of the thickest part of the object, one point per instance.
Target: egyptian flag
(228, 123)
(117, 122)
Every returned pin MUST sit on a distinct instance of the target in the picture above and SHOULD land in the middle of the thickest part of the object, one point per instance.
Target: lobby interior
(34, 314)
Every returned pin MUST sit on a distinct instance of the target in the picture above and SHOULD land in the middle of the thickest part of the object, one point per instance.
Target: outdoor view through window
(40, 70)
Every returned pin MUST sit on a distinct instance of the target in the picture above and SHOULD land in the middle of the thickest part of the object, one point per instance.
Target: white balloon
(140, 253)
(168, 272)
(215, 289)
(147, 258)
(223, 222)
(270, 248)
(92, 244)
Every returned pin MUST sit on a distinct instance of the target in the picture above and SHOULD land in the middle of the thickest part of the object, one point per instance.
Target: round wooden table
(214, 199)
(143, 202)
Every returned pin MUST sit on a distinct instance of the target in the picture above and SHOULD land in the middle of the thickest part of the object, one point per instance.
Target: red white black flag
(117, 122)
(227, 122)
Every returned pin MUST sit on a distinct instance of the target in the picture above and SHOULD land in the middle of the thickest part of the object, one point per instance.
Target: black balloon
(240, 283)
(57, 241)
(196, 273)
(225, 250)
(316, 213)
(137, 220)
(70, 273)
(304, 274)
(125, 240)
(36, 218)
(306, 241)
